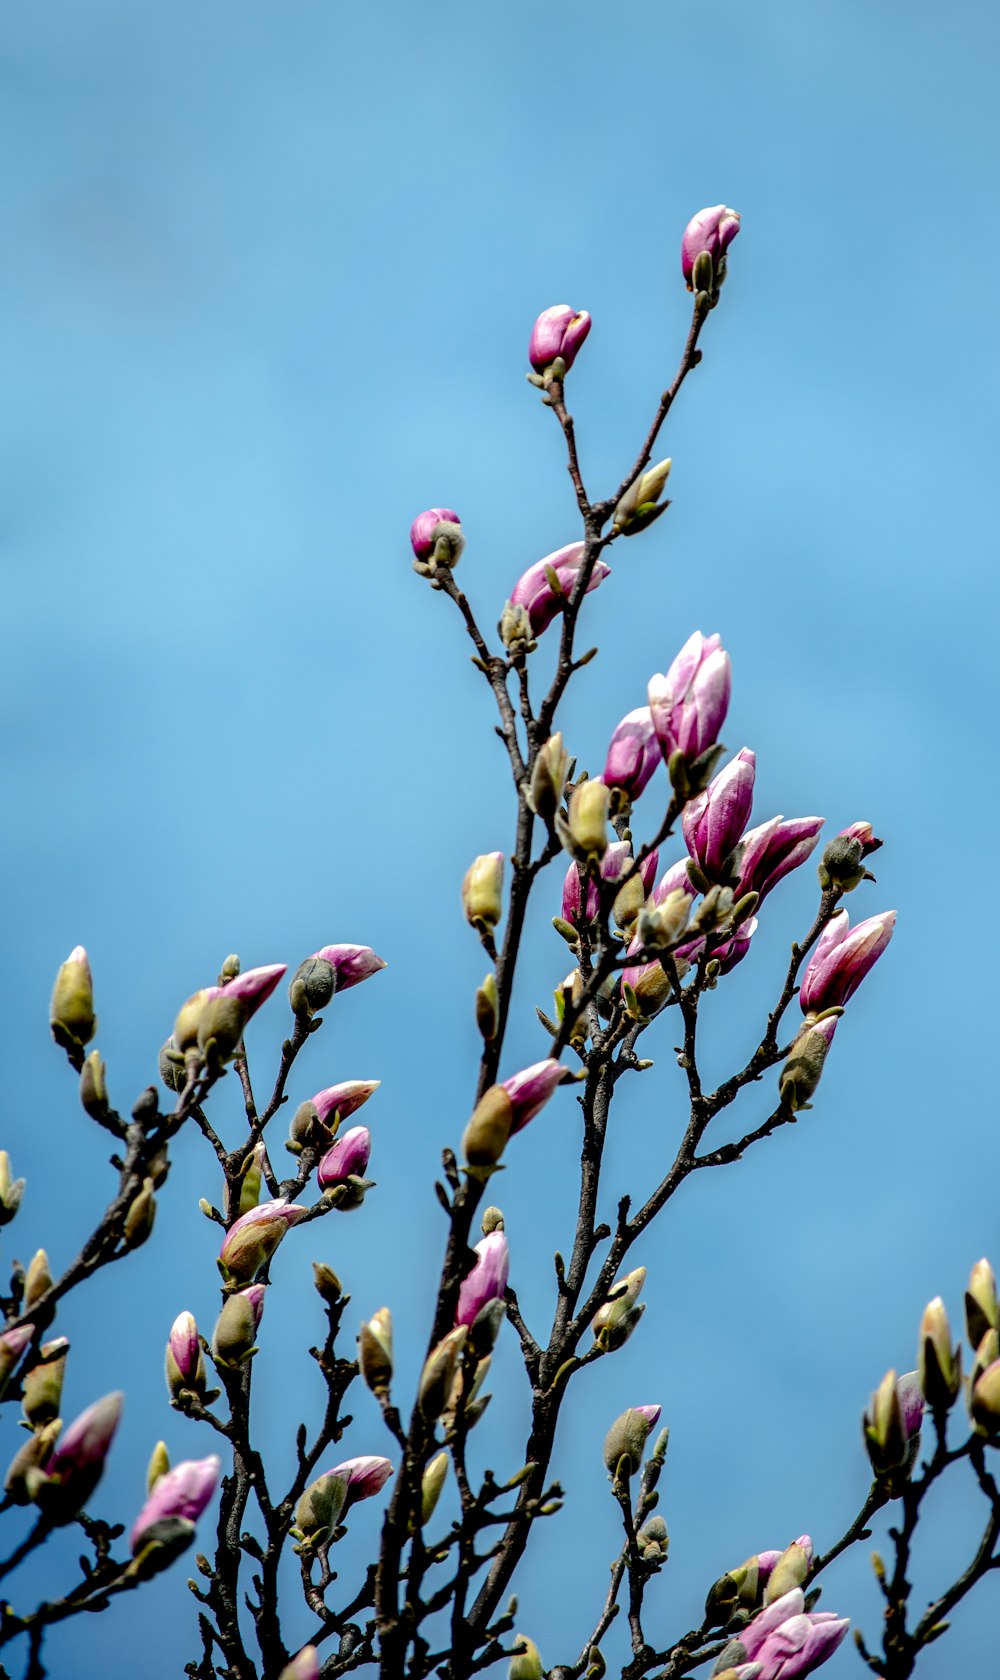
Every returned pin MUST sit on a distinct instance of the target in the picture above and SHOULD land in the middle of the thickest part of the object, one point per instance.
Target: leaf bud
(624, 1294)
(526, 1663)
(93, 1089)
(38, 1280)
(431, 1483)
(641, 503)
(548, 778)
(375, 1351)
(626, 1439)
(487, 1007)
(661, 925)
(326, 1283)
(489, 1128)
(653, 1540)
(515, 630)
(159, 1464)
(71, 1013)
(140, 1216)
(439, 1373)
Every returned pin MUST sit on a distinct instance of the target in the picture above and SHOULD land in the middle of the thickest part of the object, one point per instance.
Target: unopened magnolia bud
(237, 1325)
(24, 1473)
(253, 1168)
(653, 1537)
(375, 1351)
(327, 1283)
(12, 1345)
(489, 1128)
(641, 503)
(515, 630)
(185, 1363)
(140, 1217)
(437, 540)
(626, 1439)
(42, 1385)
(790, 1571)
(439, 1373)
(802, 1070)
(585, 832)
(982, 1312)
(252, 1239)
(312, 986)
(71, 1013)
(93, 1090)
(487, 1007)
(938, 1362)
(891, 1428)
(625, 1293)
(38, 1279)
(171, 1065)
(526, 1663)
(431, 1483)
(548, 778)
(185, 1033)
(159, 1464)
(482, 892)
(318, 1511)
(11, 1190)
(984, 1401)
(841, 866)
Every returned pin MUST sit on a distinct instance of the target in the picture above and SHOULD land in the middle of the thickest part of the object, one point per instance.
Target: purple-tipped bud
(689, 702)
(558, 333)
(71, 1012)
(348, 1158)
(303, 1666)
(165, 1526)
(334, 968)
(788, 1643)
(534, 589)
(223, 1011)
(487, 1280)
(252, 1240)
(891, 1428)
(531, 1089)
(343, 1099)
(185, 1360)
(350, 963)
(254, 988)
(789, 1569)
(864, 834)
(437, 539)
(772, 850)
(713, 822)
(616, 861)
(364, 1478)
(842, 958)
(76, 1465)
(237, 1325)
(648, 983)
(633, 753)
(710, 232)
(675, 879)
(626, 1439)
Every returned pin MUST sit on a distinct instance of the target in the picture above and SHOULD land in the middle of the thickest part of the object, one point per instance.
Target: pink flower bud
(559, 331)
(180, 1496)
(487, 1280)
(534, 590)
(726, 955)
(185, 1361)
(633, 753)
(77, 1462)
(616, 860)
(690, 700)
(255, 986)
(675, 879)
(350, 963)
(864, 834)
(346, 1159)
(772, 850)
(344, 1098)
(714, 821)
(842, 958)
(422, 531)
(303, 1666)
(364, 1476)
(437, 540)
(711, 230)
(252, 1240)
(531, 1089)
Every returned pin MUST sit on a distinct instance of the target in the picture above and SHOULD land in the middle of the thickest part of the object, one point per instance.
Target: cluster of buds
(556, 337)
(437, 540)
(165, 1526)
(761, 1578)
(506, 1109)
(783, 1640)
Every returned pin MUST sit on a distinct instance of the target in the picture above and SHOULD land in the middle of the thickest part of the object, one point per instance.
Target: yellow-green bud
(431, 1483)
(42, 1385)
(585, 832)
(526, 1664)
(487, 1008)
(789, 1572)
(482, 892)
(939, 1363)
(185, 1033)
(640, 504)
(71, 1013)
(11, 1190)
(984, 1401)
(488, 1129)
(140, 1216)
(981, 1309)
(515, 630)
(625, 1293)
(24, 1474)
(375, 1351)
(93, 1089)
(38, 1280)
(159, 1464)
(438, 1374)
(327, 1283)
(548, 778)
(661, 925)
(318, 1510)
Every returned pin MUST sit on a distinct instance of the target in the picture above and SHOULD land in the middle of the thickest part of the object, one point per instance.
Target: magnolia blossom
(558, 331)
(713, 823)
(616, 860)
(363, 1476)
(253, 1238)
(772, 850)
(842, 958)
(344, 1098)
(533, 590)
(179, 1496)
(689, 701)
(531, 1089)
(487, 1280)
(787, 1642)
(423, 531)
(347, 1158)
(350, 963)
(633, 753)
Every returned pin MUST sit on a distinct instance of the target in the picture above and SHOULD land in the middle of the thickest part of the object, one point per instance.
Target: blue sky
(268, 282)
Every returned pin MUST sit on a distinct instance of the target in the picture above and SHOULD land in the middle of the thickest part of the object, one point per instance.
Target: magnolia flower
(487, 1280)
(842, 958)
(534, 591)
